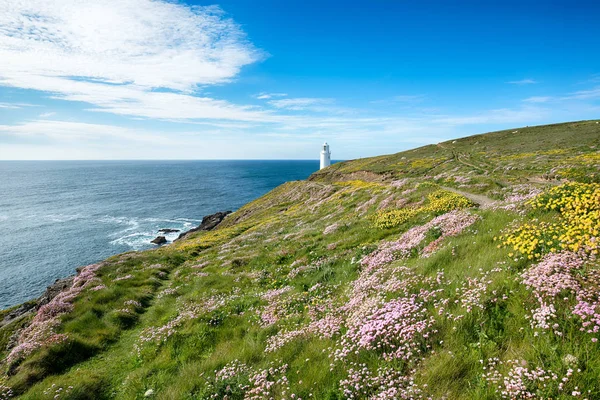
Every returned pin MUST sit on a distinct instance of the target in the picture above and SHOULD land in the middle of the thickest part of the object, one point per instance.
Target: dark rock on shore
(168, 230)
(159, 240)
(31, 306)
(18, 312)
(53, 290)
(209, 222)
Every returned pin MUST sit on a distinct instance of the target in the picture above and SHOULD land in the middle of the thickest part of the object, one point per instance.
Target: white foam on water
(131, 224)
(138, 233)
(135, 241)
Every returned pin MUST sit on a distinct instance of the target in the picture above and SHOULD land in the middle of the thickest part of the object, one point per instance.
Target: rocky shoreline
(209, 222)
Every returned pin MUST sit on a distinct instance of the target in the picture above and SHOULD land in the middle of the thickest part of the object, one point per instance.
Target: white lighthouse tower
(325, 156)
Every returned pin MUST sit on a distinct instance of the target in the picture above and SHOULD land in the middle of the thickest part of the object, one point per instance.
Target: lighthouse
(325, 156)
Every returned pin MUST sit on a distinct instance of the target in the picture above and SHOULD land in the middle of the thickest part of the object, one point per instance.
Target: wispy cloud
(9, 106)
(68, 131)
(593, 93)
(266, 96)
(538, 99)
(523, 82)
(114, 54)
(47, 115)
(405, 99)
(522, 115)
(301, 103)
(14, 106)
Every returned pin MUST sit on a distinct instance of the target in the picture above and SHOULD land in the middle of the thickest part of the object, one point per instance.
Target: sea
(58, 215)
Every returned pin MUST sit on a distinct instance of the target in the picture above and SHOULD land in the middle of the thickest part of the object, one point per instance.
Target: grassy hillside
(463, 270)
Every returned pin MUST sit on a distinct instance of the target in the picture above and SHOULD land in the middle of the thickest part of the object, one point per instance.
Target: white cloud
(9, 106)
(47, 115)
(407, 99)
(538, 99)
(15, 106)
(67, 131)
(266, 96)
(523, 82)
(523, 115)
(115, 54)
(302, 103)
(584, 94)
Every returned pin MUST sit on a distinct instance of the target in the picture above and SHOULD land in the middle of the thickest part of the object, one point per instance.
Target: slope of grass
(376, 278)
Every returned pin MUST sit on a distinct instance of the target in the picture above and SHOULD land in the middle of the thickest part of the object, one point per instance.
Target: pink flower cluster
(123, 278)
(261, 384)
(521, 382)
(397, 329)
(590, 315)
(331, 228)
(522, 193)
(276, 307)
(554, 274)
(167, 292)
(563, 273)
(304, 268)
(384, 384)
(231, 370)
(56, 392)
(273, 293)
(326, 327)
(200, 265)
(450, 224)
(6, 392)
(399, 183)
(363, 208)
(42, 330)
(187, 312)
(471, 293)
(130, 306)
(462, 179)
(542, 316)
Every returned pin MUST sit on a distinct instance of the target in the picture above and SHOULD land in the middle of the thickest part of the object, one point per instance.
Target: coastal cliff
(462, 270)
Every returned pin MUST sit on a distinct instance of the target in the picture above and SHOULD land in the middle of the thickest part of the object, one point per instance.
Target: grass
(169, 319)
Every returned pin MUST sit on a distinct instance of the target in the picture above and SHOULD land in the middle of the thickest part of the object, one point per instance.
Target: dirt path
(476, 198)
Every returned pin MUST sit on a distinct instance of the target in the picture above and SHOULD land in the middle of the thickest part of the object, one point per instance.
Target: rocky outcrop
(31, 306)
(53, 290)
(159, 240)
(18, 312)
(168, 230)
(209, 222)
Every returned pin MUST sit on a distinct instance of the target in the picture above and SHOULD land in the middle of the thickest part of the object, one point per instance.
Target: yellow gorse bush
(578, 227)
(359, 184)
(439, 201)
(210, 238)
(392, 218)
(444, 201)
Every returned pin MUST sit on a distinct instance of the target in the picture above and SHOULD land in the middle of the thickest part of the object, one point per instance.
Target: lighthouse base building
(325, 156)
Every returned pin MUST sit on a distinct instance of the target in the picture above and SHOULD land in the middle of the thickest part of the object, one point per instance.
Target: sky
(267, 79)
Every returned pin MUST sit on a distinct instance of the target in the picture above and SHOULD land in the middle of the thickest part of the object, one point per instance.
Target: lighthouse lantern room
(325, 156)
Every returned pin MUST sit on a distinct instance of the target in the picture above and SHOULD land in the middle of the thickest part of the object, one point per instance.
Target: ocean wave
(138, 232)
(135, 241)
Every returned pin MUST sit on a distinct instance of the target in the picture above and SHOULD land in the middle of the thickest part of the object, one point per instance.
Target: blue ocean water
(58, 215)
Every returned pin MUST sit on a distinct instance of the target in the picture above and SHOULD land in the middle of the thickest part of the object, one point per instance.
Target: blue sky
(141, 79)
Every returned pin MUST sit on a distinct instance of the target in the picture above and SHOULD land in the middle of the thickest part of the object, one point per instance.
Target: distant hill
(462, 270)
